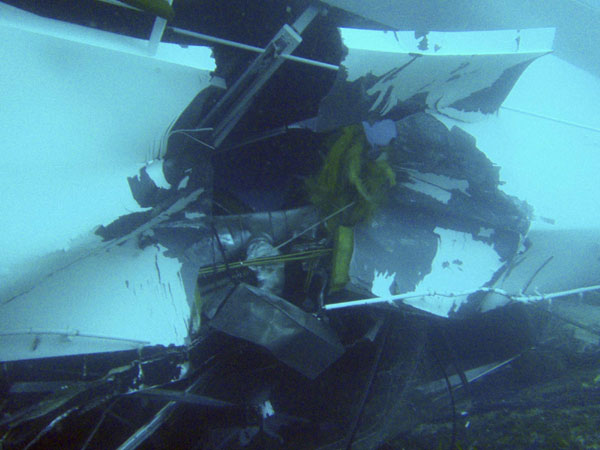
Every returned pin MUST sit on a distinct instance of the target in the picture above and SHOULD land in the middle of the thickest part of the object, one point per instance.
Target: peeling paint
(460, 264)
(437, 186)
(382, 283)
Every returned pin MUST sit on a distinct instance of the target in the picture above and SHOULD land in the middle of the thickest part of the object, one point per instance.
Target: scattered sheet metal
(82, 396)
(461, 75)
(144, 432)
(295, 337)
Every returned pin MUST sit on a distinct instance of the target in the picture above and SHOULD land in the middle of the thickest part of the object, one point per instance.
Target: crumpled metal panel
(394, 244)
(443, 172)
(461, 75)
(446, 227)
(199, 241)
(295, 337)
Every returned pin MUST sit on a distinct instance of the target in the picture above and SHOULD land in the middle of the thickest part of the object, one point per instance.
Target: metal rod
(533, 298)
(72, 334)
(237, 99)
(185, 397)
(251, 48)
(552, 119)
(519, 298)
(311, 62)
(144, 432)
(315, 225)
(216, 40)
(122, 5)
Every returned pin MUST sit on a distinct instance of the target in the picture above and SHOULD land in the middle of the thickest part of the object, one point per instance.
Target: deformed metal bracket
(236, 101)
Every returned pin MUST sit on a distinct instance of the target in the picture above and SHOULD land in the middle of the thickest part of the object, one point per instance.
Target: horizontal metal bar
(311, 62)
(71, 334)
(520, 298)
(251, 48)
(216, 40)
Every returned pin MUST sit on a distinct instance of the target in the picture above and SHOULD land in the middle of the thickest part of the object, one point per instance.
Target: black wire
(369, 384)
(99, 424)
(452, 402)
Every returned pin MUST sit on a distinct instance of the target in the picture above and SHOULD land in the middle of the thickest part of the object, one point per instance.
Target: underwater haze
(334, 224)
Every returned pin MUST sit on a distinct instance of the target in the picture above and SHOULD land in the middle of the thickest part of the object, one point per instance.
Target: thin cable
(97, 427)
(368, 386)
(277, 259)
(452, 402)
(538, 270)
(190, 130)
(72, 334)
(186, 132)
(552, 119)
(315, 225)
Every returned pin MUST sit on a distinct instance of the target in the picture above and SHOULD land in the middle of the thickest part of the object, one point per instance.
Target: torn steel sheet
(456, 228)
(391, 259)
(445, 173)
(461, 75)
(295, 337)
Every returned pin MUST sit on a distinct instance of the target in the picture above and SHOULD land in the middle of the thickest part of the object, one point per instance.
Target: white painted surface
(463, 64)
(451, 43)
(382, 282)
(81, 110)
(122, 293)
(460, 264)
(576, 21)
(74, 128)
(439, 187)
(196, 57)
(552, 164)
